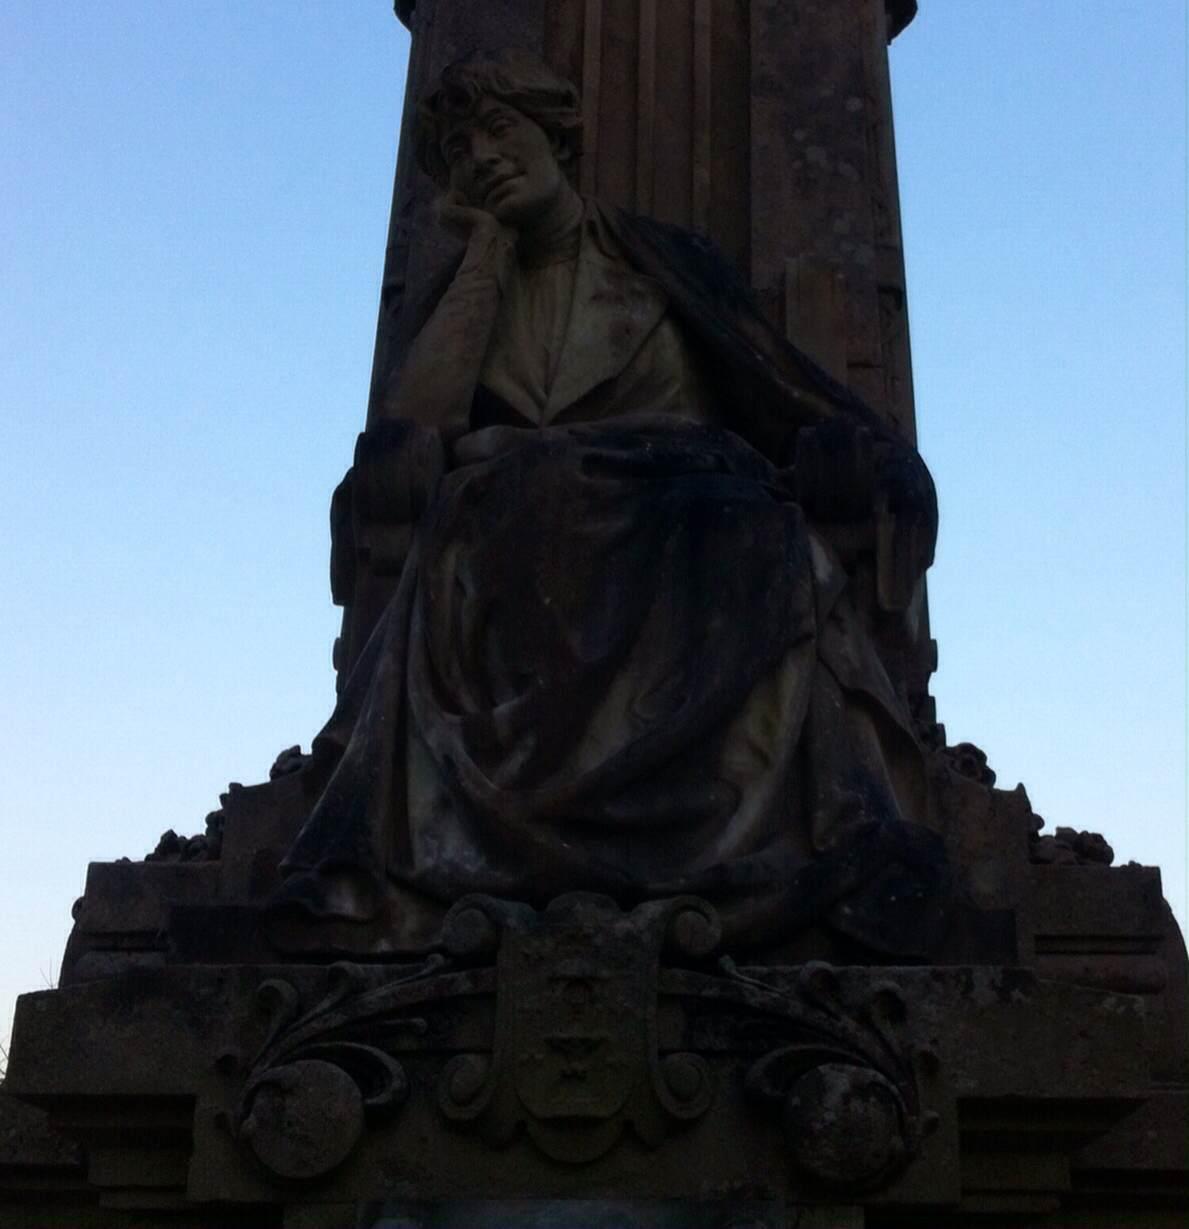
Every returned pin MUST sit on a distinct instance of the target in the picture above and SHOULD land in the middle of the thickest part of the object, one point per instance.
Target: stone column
(764, 123)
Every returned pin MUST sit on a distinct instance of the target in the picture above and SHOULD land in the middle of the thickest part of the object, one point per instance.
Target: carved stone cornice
(900, 13)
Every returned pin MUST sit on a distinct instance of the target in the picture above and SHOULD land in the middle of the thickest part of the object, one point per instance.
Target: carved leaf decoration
(845, 1082)
(348, 1005)
(318, 1075)
(283, 1005)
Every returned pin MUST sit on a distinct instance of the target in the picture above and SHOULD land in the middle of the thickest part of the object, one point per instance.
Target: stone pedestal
(589, 1061)
(611, 1062)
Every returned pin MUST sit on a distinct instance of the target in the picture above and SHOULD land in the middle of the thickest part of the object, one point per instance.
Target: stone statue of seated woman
(625, 654)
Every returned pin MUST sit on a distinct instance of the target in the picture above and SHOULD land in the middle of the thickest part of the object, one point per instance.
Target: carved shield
(580, 1015)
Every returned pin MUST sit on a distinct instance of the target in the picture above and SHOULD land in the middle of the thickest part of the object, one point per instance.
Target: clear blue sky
(193, 206)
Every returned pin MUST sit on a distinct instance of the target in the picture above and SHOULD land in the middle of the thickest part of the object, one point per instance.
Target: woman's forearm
(442, 371)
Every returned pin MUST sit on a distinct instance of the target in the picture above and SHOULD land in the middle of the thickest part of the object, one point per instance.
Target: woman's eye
(499, 128)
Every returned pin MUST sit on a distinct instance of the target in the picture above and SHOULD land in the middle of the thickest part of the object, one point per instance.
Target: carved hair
(512, 76)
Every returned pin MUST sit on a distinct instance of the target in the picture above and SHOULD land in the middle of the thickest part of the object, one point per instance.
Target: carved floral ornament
(576, 1060)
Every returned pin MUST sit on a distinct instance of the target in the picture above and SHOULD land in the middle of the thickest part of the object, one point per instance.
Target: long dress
(618, 659)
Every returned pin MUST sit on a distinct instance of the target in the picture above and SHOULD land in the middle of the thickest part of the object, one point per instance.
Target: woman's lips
(499, 186)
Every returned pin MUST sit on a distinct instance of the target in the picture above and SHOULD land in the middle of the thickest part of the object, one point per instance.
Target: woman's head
(501, 128)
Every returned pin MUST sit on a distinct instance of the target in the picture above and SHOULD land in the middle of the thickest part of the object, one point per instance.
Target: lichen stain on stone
(987, 988)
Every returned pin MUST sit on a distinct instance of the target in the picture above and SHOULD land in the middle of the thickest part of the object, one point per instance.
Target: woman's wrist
(490, 251)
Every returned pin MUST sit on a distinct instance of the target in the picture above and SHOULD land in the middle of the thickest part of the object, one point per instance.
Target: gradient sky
(193, 206)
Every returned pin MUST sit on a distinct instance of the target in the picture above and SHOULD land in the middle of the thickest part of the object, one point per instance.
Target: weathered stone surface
(1022, 1064)
(130, 898)
(1154, 1137)
(605, 1059)
(43, 1175)
(842, 1126)
(28, 1140)
(304, 1119)
(1121, 902)
(589, 1214)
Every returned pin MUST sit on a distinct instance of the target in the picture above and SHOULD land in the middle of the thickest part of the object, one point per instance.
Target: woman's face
(503, 162)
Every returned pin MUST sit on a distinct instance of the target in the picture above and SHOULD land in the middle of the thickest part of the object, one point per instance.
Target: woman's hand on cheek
(460, 217)
(490, 244)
